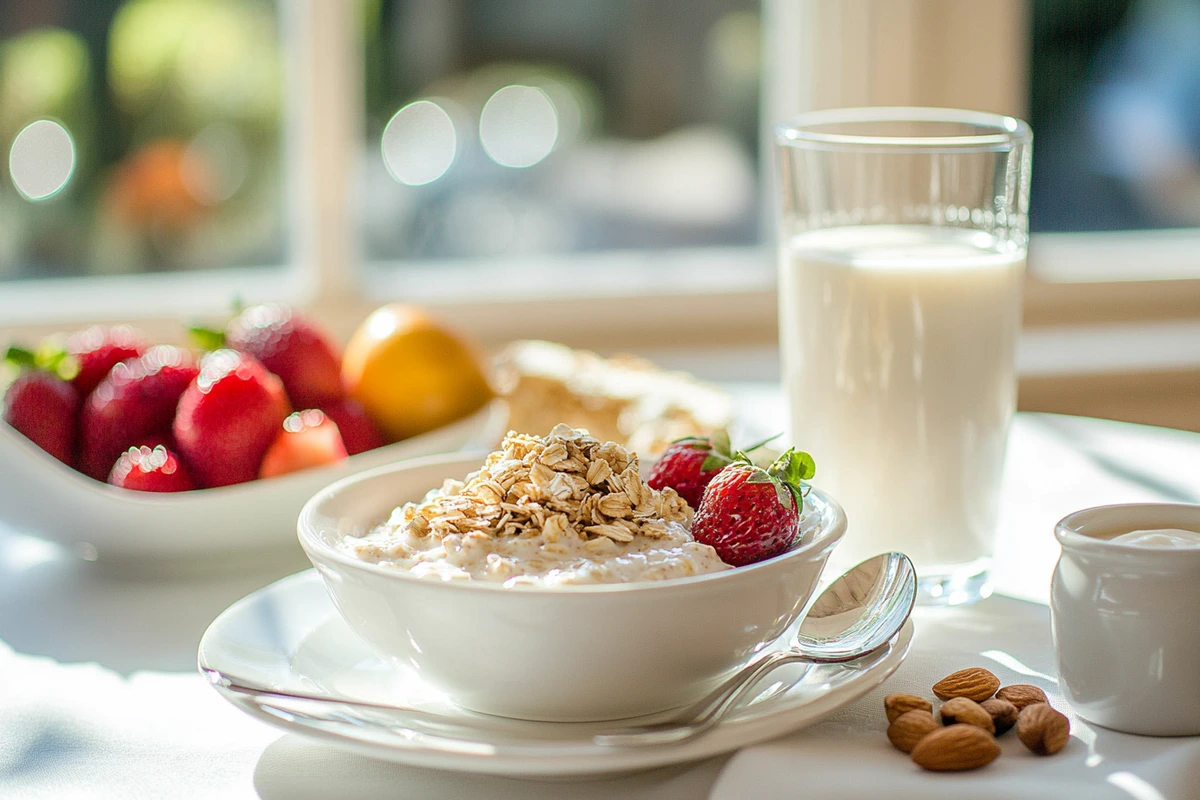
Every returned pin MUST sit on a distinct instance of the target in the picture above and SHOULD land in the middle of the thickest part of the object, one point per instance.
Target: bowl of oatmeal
(548, 581)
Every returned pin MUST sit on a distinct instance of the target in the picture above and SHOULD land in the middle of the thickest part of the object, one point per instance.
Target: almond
(897, 704)
(910, 728)
(975, 683)
(1042, 729)
(1022, 694)
(1004, 714)
(957, 747)
(961, 710)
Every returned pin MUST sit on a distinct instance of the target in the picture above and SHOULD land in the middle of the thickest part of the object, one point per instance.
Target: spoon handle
(696, 719)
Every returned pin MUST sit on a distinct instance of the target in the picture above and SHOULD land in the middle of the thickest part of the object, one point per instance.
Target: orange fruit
(411, 373)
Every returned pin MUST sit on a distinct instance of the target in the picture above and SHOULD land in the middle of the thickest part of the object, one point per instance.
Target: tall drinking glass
(902, 253)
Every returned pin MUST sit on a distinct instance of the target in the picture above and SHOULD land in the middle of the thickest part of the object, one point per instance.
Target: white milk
(898, 347)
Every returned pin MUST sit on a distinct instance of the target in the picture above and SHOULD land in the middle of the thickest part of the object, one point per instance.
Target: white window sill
(704, 298)
(1074, 351)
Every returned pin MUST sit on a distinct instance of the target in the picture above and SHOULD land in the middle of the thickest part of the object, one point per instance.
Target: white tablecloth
(99, 696)
(848, 755)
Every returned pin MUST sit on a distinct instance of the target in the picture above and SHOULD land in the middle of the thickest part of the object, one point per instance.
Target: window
(510, 127)
(139, 135)
(481, 154)
(1115, 102)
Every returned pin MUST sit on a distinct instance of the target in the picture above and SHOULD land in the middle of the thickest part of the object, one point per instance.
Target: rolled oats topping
(554, 510)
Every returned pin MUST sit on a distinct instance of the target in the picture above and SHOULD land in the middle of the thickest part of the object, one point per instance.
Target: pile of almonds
(973, 715)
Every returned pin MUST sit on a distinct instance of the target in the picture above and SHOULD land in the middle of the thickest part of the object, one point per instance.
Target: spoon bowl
(860, 611)
(854, 616)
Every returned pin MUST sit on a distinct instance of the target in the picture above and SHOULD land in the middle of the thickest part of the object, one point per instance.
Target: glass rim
(999, 131)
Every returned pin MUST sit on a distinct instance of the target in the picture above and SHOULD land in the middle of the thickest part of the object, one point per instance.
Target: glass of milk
(902, 254)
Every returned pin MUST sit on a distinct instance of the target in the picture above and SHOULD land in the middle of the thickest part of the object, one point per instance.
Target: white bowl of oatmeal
(548, 581)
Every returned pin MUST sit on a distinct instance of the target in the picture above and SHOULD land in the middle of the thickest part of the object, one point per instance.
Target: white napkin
(848, 754)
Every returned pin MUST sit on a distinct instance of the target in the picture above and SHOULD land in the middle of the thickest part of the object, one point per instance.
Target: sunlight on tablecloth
(67, 726)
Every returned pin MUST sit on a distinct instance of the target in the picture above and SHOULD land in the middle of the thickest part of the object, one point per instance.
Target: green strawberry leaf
(783, 492)
(799, 493)
(720, 450)
(760, 475)
(49, 356)
(763, 443)
(695, 442)
(205, 338)
(794, 466)
(20, 357)
(801, 467)
(66, 367)
(788, 473)
(53, 357)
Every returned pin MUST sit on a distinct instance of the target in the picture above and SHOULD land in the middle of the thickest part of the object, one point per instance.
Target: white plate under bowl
(42, 497)
(288, 637)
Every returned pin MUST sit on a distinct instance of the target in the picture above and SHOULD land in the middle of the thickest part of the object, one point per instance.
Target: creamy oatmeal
(563, 509)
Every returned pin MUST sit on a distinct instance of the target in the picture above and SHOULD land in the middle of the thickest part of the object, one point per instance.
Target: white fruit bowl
(584, 652)
(42, 497)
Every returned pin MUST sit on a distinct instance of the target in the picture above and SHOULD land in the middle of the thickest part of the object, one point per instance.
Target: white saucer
(288, 637)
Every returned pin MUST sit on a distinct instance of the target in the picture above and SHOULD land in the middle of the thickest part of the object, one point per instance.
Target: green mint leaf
(205, 338)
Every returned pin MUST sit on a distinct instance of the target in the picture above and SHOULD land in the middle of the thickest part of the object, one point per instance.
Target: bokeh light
(42, 73)
(215, 164)
(419, 143)
(210, 57)
(41, 160)
(518, 126)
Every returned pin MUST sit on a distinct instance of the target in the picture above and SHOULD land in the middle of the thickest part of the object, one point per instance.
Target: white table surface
(99, 696)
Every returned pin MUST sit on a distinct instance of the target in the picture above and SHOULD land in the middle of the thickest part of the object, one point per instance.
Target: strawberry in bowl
(42, 406)
(293, 347)
(135, 402)
(750, 513)
(121, 448)
(97, 350)
(690, 464)
(150, 469)
(228, 417)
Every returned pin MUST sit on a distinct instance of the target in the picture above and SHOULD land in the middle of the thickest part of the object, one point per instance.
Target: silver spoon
(855, 616)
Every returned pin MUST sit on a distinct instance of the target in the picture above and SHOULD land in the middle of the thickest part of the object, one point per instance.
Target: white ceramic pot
(574, 653)
(1124, 620)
